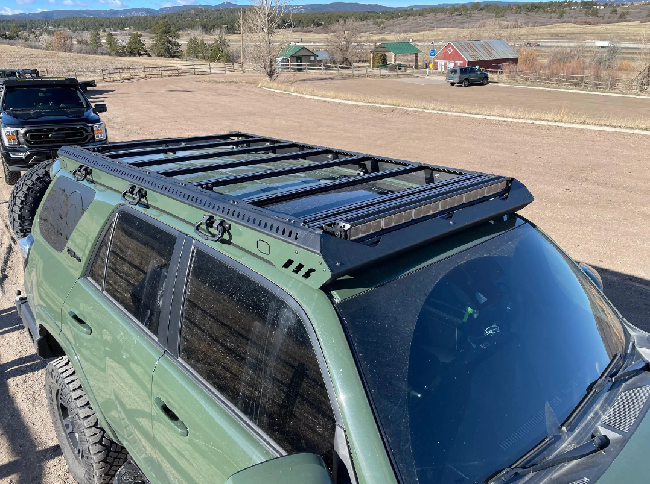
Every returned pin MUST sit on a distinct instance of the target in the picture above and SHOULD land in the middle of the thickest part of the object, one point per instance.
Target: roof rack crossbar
(233, 163)
(265, 200)
(212, 154)
(238, 140)
(167, 142)
(383, 208)
(397, 198)
(259, 175)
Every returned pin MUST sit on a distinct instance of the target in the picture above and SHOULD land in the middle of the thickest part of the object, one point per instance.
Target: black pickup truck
(40, 115)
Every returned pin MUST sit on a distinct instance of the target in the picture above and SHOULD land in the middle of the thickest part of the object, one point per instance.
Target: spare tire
(26, 196)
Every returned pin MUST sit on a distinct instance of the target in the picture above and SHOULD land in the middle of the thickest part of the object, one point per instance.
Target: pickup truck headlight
(100, 132)
(10, 136)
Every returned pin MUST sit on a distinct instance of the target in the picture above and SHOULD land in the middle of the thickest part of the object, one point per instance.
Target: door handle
(81, 324)
(162, 407)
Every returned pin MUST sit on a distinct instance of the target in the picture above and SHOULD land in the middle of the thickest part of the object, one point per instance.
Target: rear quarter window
(61, 211)
(453, 72)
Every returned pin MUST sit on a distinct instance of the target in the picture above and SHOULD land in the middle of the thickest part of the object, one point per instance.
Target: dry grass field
(67, 63)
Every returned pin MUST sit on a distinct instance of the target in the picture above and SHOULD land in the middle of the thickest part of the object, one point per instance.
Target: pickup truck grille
(58, 135)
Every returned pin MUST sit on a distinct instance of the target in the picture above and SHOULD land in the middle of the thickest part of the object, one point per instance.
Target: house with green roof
(295, 58)
(381, 52)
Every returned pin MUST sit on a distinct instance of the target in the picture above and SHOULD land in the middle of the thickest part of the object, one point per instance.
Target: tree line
(211, 20)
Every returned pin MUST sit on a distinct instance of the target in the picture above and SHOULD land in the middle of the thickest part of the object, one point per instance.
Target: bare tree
(344, 40)
(263, 22)
(62, 41)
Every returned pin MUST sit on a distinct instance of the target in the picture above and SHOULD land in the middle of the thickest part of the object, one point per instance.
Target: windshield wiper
(594, 388)
(596, 444)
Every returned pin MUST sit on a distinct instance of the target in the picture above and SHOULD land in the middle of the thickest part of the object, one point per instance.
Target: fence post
(609, 83)
(338, 70)
(210, 68)
(103, 75)
(366, 71)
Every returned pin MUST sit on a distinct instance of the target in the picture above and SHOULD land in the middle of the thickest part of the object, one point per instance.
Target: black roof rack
(350, 208)
(40, 81)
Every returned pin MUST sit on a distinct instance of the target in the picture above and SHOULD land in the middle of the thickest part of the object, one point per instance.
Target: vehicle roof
(349, 209)
(41, 81)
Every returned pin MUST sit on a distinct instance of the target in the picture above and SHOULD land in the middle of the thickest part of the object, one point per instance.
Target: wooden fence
(144, 72)
(569, 81)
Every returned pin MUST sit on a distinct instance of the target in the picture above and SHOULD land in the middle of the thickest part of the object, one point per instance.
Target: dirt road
(590, 189)
(594, 107)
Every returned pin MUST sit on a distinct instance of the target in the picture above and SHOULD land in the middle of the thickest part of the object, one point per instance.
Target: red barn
(487, 54)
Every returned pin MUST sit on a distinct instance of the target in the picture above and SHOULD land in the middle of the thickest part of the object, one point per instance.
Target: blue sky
(8, 7)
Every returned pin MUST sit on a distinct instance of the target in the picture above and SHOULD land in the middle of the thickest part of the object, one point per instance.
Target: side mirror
(99, 108)
(291, 469)
(593, 275)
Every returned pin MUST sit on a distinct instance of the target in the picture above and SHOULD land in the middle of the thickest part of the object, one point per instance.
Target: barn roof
(401, 47)
(476, 50)
(291, 50)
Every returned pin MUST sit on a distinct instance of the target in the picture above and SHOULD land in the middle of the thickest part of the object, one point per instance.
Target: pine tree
(135, 46)
(165, 43)
(219, 50)
(114, 47)
(192, 50)
(95, 41)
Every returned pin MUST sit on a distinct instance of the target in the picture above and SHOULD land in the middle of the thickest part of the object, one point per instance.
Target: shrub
(62, 41)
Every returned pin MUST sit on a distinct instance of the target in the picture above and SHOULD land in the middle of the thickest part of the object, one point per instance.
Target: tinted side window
(61, 211)
(254, 349)
(138, 262)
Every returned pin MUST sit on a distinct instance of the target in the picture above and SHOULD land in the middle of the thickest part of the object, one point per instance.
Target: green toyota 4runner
(240, 309)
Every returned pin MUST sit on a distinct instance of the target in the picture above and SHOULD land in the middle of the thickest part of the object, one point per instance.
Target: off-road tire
(466, 83)
(92, 457)
(485, 81)
(11, 177)
(26, 196)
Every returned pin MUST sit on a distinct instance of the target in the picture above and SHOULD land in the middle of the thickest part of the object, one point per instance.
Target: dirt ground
(590, 189)
(435, 90)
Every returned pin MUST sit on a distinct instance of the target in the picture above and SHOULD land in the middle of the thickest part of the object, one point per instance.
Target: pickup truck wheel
(452, 84)
(485, 81)
(11, 177)
(466, 83)
(92, 457)
(26, 196)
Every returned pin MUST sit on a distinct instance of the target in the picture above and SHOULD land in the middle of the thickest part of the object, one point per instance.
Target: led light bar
(352, 230)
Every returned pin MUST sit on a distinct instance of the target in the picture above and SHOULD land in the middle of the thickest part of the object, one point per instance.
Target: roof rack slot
(233, 141)
(216, 154)
(265, 200)
(258, 175)
(167, 142)
(234, 163)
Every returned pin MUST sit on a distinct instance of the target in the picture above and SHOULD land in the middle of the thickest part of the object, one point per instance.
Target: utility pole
(241, 32)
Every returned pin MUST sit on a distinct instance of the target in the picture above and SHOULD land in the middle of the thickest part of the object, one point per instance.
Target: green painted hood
(632, 465)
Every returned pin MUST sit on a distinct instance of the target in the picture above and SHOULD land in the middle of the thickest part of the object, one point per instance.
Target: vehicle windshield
(474, 356)
(44, 98)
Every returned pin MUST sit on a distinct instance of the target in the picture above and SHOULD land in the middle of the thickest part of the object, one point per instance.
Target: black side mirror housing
(593, 275)
(99, 108)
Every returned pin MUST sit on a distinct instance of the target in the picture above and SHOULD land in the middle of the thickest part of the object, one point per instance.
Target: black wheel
(452, 84)
(26, 196)
(91, 456)
(11, 177)
(485, 81)
(466, 83)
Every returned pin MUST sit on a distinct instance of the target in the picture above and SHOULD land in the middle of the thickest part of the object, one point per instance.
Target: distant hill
(317, 7)
(140, 12)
